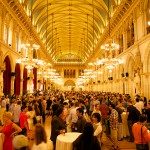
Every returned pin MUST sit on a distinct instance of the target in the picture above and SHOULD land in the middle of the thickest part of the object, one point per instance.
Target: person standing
(72, 117)
(113, 125)
(97, 109)
(132, 118)
(30, 115)
(87, 140)
(141, 133)
(105, 116)
(9, 130)
(81, 120)
(23, 120)
(120, 111)
(97, 126)
(57, 125)
(16, 112)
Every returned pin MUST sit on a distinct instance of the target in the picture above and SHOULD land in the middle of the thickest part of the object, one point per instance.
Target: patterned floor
(123, 145)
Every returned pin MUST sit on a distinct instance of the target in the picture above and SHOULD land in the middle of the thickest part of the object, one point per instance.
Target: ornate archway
(69, 83)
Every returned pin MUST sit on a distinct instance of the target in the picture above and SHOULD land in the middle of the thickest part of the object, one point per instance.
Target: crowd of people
(91, 113)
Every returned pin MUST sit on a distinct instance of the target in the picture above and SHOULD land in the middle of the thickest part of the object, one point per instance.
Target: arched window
(65, 73)
(74, 73)
(10, 34)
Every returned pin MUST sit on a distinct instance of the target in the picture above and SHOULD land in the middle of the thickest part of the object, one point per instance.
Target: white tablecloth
(64, 142)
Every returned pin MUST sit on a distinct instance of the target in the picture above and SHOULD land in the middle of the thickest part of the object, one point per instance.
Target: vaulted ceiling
(70, 29)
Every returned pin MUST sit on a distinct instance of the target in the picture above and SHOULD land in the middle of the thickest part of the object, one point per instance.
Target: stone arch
(129, 85)
(120, 71)
(11, 60)
(146, 70)
(69, 83)
(130, 65)
(128, 61)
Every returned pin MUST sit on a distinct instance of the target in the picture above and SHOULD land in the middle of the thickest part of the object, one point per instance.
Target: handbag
(142, 147)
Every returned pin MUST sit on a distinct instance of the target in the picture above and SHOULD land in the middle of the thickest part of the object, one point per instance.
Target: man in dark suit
(81, 120)
(57, 124)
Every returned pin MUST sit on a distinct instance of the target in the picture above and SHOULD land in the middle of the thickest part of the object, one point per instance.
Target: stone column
(1, 83)
(12, 84)
(21, 86)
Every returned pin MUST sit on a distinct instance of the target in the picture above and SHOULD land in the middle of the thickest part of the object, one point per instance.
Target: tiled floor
(123, 145)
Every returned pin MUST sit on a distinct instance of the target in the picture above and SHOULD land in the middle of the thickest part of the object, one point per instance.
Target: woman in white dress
(40, 138)
(30, 115)
(97, 126)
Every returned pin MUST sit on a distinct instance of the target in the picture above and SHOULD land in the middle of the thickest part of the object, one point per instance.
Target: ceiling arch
(69, 26)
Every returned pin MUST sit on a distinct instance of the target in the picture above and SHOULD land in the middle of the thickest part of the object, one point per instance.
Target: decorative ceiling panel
(69, 27)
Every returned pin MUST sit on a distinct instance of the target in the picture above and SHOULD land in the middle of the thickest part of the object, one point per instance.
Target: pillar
(12, 85)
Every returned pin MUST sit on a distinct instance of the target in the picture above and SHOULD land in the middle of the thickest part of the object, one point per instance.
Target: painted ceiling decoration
(69, 27)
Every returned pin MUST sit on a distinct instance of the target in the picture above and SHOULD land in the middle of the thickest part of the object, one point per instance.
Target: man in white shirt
(16, 112)
(139, 105)
(72, 117)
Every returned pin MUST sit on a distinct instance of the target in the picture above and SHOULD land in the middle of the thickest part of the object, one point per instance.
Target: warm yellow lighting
(29, 67)
(110, 46)
(36, 47)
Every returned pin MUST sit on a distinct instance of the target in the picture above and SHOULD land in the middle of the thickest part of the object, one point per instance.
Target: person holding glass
(58, 124)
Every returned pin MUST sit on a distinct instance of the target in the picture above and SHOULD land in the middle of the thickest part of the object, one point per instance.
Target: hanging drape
(7, 77)
(35, 78)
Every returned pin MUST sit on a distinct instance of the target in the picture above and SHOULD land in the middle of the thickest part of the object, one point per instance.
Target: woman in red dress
(9, 130)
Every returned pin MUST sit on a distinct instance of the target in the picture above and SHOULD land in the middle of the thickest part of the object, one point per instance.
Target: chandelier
(109, 62)
(30, 62)
(110, 46)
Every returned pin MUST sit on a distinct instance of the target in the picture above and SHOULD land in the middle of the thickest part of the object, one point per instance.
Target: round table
(64, 142)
